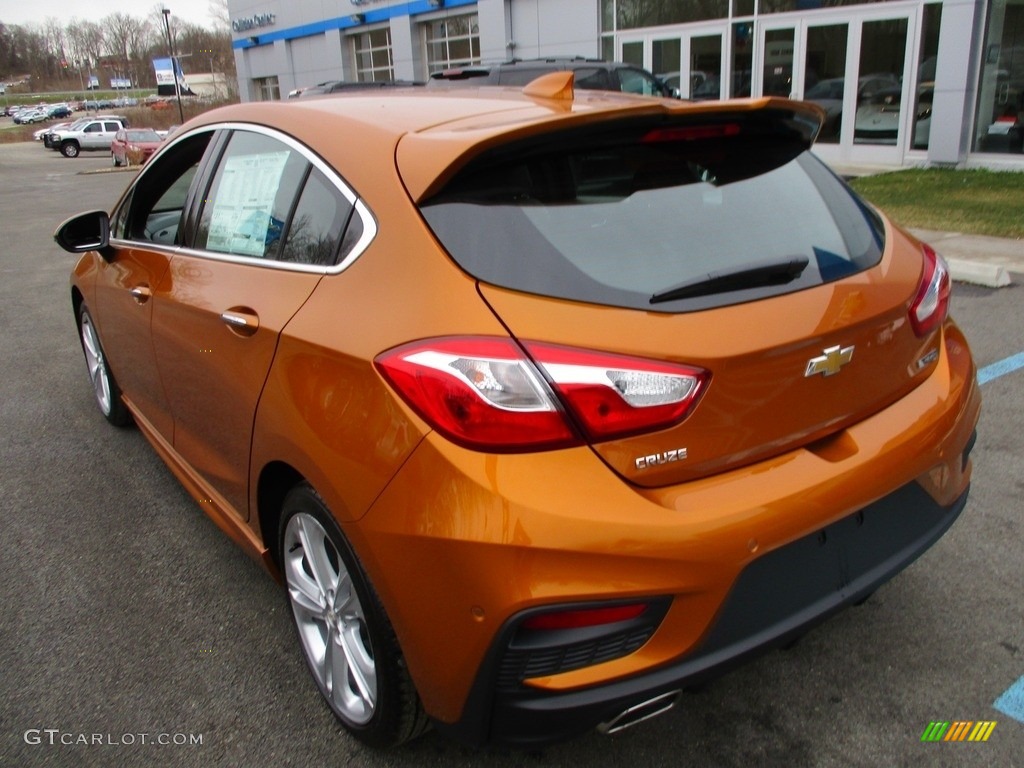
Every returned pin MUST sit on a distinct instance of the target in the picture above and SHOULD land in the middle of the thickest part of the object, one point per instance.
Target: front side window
(155, 208)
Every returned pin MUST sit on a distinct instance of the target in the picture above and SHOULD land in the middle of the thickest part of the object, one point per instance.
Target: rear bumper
(509, 534)
(777, 597)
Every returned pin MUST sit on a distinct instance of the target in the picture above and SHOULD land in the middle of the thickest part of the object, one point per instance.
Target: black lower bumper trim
(776, 598)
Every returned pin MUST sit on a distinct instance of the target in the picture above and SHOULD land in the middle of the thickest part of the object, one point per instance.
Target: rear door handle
(242, 321)
(141, 293)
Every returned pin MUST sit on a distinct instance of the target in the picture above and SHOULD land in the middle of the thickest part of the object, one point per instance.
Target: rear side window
(257, 181)
(635, 81)
(591, 78)
(521, 75)
(625, 216)
(315, 232)
(268, 201)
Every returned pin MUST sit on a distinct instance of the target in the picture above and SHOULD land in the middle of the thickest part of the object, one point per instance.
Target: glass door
(666, 61)
(824, 76)
(778, 51)
(883, 91)
(691, 61)
(856, 67)
(705, 53)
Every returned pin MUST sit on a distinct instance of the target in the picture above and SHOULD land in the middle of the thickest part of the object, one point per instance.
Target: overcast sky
(36, 12)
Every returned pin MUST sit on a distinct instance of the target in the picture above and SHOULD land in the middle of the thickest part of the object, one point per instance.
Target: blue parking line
(1012, 701)
(994, 371)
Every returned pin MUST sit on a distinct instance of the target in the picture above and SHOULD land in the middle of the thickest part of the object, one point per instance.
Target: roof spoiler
(429, 158)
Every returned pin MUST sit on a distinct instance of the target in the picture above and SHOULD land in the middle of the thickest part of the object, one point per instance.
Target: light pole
(174, 72)
(81, 81)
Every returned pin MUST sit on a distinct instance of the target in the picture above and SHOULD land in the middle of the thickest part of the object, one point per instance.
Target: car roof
(430, 133)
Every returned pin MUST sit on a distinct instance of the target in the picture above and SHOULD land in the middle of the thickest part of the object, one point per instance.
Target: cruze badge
(829, 363)
(667, 457)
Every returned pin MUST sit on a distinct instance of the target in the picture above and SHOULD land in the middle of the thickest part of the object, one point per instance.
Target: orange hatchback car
(543, 406)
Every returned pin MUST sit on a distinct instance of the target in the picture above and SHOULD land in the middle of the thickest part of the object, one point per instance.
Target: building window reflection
(372, 50)
(825, 76)
(453, 41)
(1000, 117)
(266, 89)
(931, 20)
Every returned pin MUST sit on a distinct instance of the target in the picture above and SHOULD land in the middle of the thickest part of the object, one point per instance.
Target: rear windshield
(623, 217)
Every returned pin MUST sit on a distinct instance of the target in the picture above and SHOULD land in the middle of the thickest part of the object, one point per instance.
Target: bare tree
(51, 53)
(53, 35)
(218, 11)
(78, 44)
(93, 39)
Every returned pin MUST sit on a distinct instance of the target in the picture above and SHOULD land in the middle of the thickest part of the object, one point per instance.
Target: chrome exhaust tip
(645, 710)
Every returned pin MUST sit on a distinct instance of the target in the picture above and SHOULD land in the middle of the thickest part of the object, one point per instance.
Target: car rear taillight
(480, 392)
(931, 304)
(615, 396)
(486, 393)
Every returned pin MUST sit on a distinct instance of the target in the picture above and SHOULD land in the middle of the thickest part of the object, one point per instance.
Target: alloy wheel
(330, 619)
(96, 365)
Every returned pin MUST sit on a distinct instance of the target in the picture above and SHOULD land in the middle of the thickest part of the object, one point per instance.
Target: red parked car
(133, 146)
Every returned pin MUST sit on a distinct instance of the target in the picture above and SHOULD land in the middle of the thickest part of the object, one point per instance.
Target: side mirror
(85, 232)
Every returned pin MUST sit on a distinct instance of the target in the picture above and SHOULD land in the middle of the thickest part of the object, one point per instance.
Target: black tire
(384, 711)
(114, 160)
(69, 149)
(108, 394)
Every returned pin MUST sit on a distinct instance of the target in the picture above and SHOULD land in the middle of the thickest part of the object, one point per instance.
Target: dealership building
(905, 82)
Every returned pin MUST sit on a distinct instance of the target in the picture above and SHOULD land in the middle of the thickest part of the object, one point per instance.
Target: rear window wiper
(752, 275)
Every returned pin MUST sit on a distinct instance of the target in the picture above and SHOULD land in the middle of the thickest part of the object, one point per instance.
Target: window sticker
(242, 220)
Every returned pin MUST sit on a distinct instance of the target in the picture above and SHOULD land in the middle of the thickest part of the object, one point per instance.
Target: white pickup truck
(86, 135)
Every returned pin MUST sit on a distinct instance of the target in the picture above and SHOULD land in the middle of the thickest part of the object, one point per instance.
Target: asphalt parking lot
(128, 616)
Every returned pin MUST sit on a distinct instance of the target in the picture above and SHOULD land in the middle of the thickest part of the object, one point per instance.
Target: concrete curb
(978, 273)
(977, 259)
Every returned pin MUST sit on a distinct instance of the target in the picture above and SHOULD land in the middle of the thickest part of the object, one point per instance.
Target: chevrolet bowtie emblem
(830, 362)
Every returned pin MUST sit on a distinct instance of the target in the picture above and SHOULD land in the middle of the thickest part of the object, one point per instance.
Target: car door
(106, 136)
(258, 251)
(117, 146)
(144, 233)
(89, 137)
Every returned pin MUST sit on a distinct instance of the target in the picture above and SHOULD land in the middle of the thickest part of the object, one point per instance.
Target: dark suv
(338, 86)
(593, 74)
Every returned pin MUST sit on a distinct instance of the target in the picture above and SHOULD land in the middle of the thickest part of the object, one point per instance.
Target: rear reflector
(588, 617)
